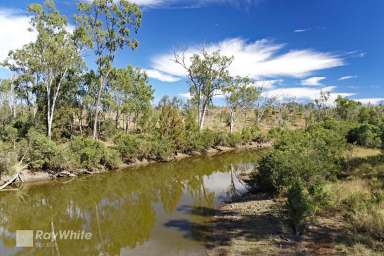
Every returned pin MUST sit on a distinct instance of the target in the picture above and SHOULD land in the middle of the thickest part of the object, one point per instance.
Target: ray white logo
(27, 238)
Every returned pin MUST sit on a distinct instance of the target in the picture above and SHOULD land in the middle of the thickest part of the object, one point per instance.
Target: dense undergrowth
(33, 148)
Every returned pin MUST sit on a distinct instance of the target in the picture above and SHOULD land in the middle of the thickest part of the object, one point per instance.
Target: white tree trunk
(202, 116)
(231, 121)
(96, 117)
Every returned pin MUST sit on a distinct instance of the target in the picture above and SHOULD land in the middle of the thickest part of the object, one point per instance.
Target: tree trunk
(202, 116)
(117, 119)
(231, 121)
(12, 99)
(96, 117)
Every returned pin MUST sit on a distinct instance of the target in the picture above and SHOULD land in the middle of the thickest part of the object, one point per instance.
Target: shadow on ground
(256, 227)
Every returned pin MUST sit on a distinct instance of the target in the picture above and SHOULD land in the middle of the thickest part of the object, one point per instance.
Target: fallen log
(10, 181)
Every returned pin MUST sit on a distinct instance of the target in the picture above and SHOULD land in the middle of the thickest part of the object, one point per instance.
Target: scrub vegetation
(57, 115)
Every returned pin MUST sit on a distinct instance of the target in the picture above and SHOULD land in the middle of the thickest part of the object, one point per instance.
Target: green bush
(342, 127)
(250, 134)
(234, 139)
(301, 155)
(42, 153)
(298, 206)
(365, 135)
(10, 134)
(8, 159)
(128, 145)
(200, 141)
(93, 154)
(163, 148)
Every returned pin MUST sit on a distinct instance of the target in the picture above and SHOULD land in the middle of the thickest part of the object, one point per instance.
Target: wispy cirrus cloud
(301, 30)
(313, 81)
(258, 59)
(304, 93)
(161, 76)
(191, 3)
(346, 78)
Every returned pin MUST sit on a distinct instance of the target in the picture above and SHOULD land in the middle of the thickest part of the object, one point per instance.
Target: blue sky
(294, 49)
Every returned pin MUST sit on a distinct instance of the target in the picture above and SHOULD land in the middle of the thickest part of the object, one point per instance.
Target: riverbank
(28, 176)
(257, 224)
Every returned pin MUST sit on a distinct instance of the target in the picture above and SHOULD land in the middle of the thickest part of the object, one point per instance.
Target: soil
(256, 225)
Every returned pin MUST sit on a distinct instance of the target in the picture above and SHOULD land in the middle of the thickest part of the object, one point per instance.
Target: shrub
(10, 135)
(250, 134)
(298, 205)
(200, 141)
(8, 159)
(92, 154)
(342, 127)
(365, 135)
(306, 156)
(234, 139)
(128, 145)
(42, 152)
(163, 149)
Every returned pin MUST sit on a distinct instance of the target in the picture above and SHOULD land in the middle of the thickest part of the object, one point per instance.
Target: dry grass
(369, 220)
(362, 152)
(346, 191)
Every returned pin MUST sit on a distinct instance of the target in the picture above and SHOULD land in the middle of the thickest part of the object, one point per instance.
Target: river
(159, 209)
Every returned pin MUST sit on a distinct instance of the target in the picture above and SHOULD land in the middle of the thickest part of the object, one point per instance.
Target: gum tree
(46, 63)
(240, 96)
(107, 26)
(208, 76)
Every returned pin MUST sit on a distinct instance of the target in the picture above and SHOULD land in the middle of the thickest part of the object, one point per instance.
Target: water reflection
(126, 211)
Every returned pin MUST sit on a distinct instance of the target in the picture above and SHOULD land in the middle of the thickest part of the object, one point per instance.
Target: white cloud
(148, 2)
(186, 95)
(346, 78)
(266, 84)
(190, 3)
(160, 76)
(14, 31)
(371, 101)
(258, 59)
(301, 30)
(313, 81)
(303, 93)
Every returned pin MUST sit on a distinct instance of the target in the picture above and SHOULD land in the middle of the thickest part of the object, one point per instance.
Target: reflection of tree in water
(116, 208)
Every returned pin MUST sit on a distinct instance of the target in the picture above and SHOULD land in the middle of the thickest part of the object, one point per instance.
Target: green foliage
(365, 135)
(163, 149)
(106, 26)
(8, 159)
(93, 154)
(9, 134)
(128, 145)
(208, 73)
(342, 127)
(249, 134)
(42, 153)
(298, 205)
(301, 155)
(171, 125)
(347, 109)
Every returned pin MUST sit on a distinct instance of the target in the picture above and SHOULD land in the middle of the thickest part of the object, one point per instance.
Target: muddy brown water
(149, 210)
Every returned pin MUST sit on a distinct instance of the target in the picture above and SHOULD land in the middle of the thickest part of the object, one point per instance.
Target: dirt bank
(256, 225)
